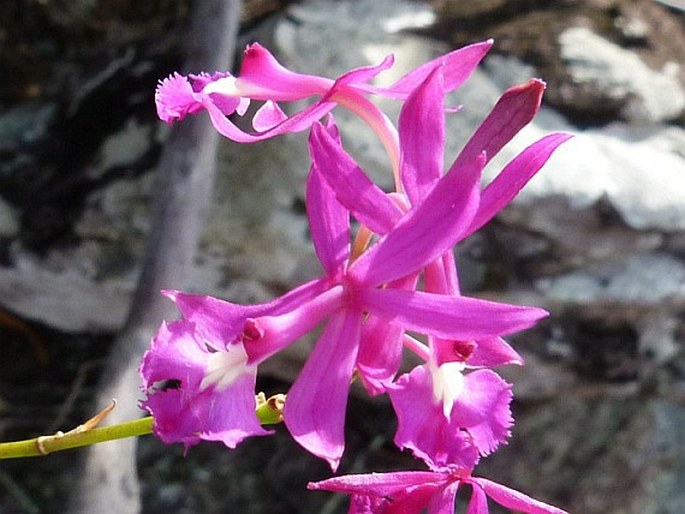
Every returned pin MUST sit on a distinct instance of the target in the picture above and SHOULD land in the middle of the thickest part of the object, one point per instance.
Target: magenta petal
(265, 78)
(515, 175)
(172, 371)
(176, 354)
(228, 105)
(459, 65)
(422, 137)
(378, 484)
(359, 76)
(427, 231)
(315, 406)
(368, 505)
(216, 319)
(329, 224)
(402, 492)
(296, 123)
(513, 111)
(380, 354)
(229, 414)
(450, 317)
(479, 501)
(415, 501)
(267, 335)
(429, 436)
(268, 116)
(175, 98)
(175, 421)
(442, 502)
(176, 347)
(200, 80)
(483, 410)
(353, 189)
(513, 499)
(440, 276)
(492, 352)
(219, 320)
(380, 350)
(226, 127)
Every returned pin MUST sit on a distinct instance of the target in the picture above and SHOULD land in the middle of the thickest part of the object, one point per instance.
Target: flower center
(223, 368)
(448, 384)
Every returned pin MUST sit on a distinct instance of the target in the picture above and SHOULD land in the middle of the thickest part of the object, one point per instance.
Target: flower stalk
(45, 444)
(269, 411)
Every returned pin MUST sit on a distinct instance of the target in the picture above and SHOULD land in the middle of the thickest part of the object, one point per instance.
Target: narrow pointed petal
(514, 500)
(267, 335)
(296, 123)
(450, 317)
(413, 501)
(492, 352)
(380, 354)
(315, 406)
(422, 137)
(219, 320)
(459, 65)
(380, 351)
(440, 276)
(353, 189)
(479, 501)
(443, 500)
(513, 111)
(515, 175)
(403, 492)
(262, 77)
(358, 77)
(427, 231)
(329, 224)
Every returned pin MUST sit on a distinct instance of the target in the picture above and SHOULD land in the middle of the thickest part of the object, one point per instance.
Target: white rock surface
(617, 74)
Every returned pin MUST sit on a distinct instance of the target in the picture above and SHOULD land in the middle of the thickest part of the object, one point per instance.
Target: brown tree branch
(185, 179)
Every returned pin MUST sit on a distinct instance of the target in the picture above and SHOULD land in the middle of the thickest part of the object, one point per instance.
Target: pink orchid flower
(263, 78)
(198, 384)
(414, 492)
(439, 385)
(470, 418)
(350, 293)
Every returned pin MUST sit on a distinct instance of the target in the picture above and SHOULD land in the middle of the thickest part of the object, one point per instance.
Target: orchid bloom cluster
(392, 287)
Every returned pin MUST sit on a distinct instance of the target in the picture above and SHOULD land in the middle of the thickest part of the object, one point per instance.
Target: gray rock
(126, 146)
(9, 221)
(63, 299)
(649, 279)
(637, 170)
(24, 124)
(608, 73)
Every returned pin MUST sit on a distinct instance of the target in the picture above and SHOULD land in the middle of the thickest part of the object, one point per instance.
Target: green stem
(43, 445)
(268, 411)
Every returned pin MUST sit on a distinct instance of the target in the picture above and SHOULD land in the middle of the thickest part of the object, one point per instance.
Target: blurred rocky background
(598, 238)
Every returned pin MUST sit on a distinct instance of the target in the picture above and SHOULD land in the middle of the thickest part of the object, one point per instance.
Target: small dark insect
(172, 383)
